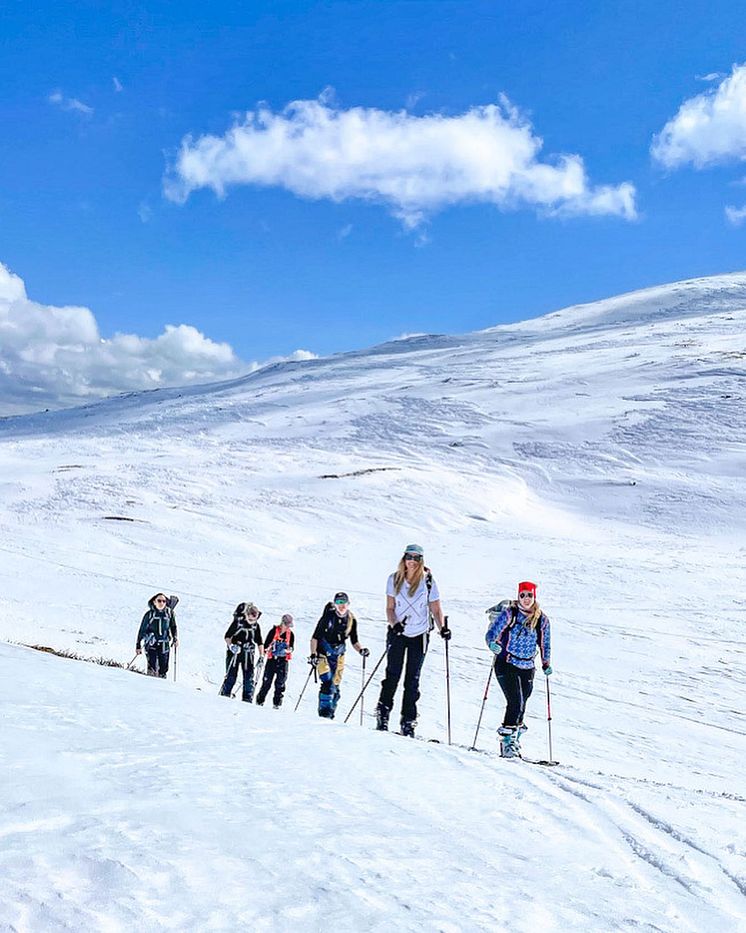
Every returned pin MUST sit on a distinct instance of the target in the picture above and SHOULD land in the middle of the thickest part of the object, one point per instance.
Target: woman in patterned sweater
(517, 630)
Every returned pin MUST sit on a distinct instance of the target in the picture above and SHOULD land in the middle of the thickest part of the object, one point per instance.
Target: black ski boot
(382, 718)
(407, 728)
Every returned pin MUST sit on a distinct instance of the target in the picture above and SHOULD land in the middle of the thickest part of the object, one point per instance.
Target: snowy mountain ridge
(599, 450)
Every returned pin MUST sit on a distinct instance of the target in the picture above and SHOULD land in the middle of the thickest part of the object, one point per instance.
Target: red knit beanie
(527, 587)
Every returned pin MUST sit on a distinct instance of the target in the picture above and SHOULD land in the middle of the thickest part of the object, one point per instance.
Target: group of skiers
(518, 629)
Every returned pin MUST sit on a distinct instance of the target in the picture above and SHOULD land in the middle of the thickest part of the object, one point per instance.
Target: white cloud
(736, 215)
(69, 103)
(144, 211)
(709, 128)
(118, 88)
(415, 165)
(55, 356)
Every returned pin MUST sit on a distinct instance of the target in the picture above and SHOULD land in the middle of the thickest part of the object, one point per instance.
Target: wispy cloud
(736, 215)
(55, 356)
(144, 211)
(118, 87)
(414, 98)
(708, 129)
(69, 103)
(416, 165)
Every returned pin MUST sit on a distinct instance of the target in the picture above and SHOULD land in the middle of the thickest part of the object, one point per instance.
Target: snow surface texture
(599, 450)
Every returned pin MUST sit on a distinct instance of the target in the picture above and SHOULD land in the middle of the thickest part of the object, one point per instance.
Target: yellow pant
(323, 668)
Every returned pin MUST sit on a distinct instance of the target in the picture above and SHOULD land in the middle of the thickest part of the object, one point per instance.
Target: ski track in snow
(599, 450)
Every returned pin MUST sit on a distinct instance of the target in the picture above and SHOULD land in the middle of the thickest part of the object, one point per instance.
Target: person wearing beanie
(157, 633)
(242, 639)
(517, 630)
(412, 604)
(328, 644)
(278, 650)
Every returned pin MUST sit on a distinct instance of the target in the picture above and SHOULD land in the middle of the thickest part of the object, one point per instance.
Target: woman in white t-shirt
(412, 599)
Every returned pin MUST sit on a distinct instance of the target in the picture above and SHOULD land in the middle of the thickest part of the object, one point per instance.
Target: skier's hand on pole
(445, 632)
(547, 668)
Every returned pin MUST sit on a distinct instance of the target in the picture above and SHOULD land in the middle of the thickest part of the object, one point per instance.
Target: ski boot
(509, 744)
(382, 718)
(407, 728)
(520, 729)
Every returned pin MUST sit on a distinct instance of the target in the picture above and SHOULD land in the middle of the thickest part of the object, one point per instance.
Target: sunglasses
(417, 557)
(526, 595)
(160, 601)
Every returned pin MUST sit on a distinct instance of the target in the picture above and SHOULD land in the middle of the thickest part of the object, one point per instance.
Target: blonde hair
(533, 616)
(400, 576)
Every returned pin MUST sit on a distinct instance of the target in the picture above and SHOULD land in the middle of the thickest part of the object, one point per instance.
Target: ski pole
(448, 688)
(311, 671)
(176, 660)
(549, 720)
(132, 662)
(367, 683)
(362, 701)
(481, 711)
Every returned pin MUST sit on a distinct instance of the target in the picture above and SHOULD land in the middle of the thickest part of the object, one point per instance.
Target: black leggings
(516, 683)
(274, 669)
(414, 649)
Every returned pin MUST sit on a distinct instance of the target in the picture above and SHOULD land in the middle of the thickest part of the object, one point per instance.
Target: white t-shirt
(415, 608)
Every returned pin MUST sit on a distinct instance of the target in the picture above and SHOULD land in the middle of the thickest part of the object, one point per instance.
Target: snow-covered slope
(599, 450)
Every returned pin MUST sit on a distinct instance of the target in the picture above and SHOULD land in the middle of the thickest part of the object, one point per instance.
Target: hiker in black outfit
(278, 648)
(336, 624)
(157, 632)
(243, 637)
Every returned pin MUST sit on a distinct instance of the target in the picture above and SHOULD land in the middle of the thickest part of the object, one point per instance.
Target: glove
(495, 647)
(445, 633)
(364, 652)
(234, 649)
(547, 668)
(398, 628)
(313, 660)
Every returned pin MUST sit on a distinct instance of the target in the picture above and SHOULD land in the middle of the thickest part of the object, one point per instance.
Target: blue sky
(97, 99)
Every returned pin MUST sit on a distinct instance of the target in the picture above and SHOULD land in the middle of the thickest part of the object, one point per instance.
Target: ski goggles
(526, 594)
(341, 602)
(417, 557)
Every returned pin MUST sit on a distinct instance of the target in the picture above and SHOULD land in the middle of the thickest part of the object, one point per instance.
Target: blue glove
(495, 647)
(234, 649)
(547, 668)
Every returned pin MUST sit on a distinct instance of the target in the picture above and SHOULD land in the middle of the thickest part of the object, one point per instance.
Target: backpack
(429, 585)
(329, 608)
